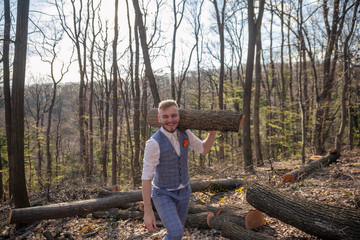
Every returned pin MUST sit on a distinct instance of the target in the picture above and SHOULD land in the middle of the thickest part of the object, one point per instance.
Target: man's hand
(149, 220)
(149, 217)
(209, 142)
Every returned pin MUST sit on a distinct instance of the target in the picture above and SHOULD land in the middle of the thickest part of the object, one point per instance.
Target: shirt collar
(169, 134)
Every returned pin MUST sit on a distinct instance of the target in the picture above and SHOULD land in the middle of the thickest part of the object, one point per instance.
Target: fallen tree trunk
(325, 221)
(220, 120)
(234, 231)
(313, 166)
(113, 200)
(218, 185)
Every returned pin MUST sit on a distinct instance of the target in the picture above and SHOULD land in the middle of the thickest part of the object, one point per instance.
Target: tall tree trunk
(301, 86)
(257, 141)
(7, 88)
(197, 26)
(283, 85)
(48, 138)
(148, 69)
(91, 98)
(115, 100)
(324, 99)
(254, 28)
(272, 84)
(135, 89)
(346, 77)
(176, 27)
(290, 63)
(20, 195)
(220, 18)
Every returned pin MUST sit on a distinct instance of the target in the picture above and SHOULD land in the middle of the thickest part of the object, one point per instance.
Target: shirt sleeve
(195, 143)
(151, 159)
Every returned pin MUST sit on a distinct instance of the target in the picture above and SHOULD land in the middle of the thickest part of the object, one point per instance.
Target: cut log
(121, 214)
(219, 185)
(221, 120)
(234, 231)
(113, 200)
(235, 214)
(311, 167)
(68, 209)
(324, 221)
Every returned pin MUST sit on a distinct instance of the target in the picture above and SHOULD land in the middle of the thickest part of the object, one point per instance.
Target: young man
(165, 177)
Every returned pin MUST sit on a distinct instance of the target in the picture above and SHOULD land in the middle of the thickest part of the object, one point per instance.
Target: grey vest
(172, 169)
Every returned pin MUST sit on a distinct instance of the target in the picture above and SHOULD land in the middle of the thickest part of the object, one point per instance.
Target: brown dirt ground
(338, 184)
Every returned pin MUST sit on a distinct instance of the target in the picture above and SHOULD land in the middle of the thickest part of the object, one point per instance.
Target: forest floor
(337, 184)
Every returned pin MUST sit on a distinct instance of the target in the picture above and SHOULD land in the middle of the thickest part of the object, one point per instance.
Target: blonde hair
(167, 103)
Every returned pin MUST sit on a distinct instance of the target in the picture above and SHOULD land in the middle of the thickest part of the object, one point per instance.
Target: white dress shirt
(152, 151)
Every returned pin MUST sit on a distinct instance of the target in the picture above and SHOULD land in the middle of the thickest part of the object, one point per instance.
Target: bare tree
(148, 69)
(37, 98)
(49, 54)
(95, 34)
(323, 100)
(346, 79)
(20, 195)
(78, 35)
(135, 89)
(254, 25)
(300, 82)
(7, 88)
(220, 19)
(103, 97)
(115, 99)
(257, 140)
(177, 9)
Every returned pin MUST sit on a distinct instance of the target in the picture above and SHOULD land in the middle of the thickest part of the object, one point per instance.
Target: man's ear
(159, 118)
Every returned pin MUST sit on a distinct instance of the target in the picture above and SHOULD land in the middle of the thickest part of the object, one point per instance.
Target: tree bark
(234, 231)
(305, 170)
(257, 139)
(254, 27)
(115, 99)
(115, 199)
(325, 221)
(323, 101)
(346, 81)
(220, 120)
(17, 173)
(7, 88)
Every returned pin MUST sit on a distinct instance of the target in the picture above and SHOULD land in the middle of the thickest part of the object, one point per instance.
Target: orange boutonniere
(186, 142)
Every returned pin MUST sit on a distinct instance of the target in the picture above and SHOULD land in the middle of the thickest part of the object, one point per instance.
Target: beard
(170, 128)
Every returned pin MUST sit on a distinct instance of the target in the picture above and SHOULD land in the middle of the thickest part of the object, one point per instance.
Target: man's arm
(209, 141)
(149, 217)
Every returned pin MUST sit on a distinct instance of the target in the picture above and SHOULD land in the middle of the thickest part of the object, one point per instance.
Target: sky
(42, 13)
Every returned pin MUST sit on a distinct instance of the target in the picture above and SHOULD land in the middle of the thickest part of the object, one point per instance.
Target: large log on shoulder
(311, 167)
(324, 221)
(112, 200)
(221, 120)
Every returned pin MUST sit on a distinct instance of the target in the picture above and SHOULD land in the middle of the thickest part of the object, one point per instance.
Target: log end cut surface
(254, 219)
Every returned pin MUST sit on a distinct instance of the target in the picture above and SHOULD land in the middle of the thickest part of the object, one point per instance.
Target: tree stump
(324, 221)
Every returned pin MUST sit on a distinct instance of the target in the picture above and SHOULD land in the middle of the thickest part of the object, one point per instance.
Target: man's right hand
(149, 220)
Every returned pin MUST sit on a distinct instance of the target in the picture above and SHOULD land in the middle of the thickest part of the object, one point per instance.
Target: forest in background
(297, 86)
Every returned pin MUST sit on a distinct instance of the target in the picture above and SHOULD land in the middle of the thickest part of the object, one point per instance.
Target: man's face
(169, 118)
